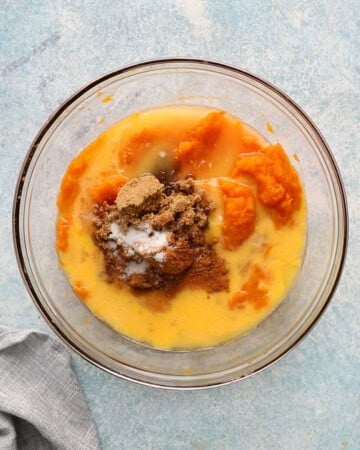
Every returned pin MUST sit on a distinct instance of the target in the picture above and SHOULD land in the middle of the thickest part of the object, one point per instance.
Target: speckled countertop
(311, 398)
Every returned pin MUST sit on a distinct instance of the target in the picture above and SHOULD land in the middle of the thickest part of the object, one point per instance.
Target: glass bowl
(105, 101)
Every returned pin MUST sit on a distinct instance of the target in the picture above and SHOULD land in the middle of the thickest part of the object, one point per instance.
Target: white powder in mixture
(135, 267)
(145, 240)
(159, 257)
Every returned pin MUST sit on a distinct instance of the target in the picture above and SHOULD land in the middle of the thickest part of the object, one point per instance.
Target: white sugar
(159, 257)
(162, 154)
(134, 267)
(145, 240)
(115, 231)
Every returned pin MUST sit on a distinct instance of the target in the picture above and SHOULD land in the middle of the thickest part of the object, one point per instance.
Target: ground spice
(153, 237)
(207, 272)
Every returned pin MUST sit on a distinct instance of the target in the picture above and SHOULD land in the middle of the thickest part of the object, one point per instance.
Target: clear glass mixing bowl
(156, 83)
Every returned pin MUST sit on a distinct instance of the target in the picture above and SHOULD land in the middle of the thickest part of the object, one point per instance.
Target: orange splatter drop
(108, 98)
(80, 290)
(269, 128)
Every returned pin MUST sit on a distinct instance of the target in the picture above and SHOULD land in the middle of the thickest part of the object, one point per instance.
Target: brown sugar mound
(153, 237)
(139, 195)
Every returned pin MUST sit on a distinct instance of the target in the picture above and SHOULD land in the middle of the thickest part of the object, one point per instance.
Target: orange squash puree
(69, 189)
(137, 145)
(259, 223)
(278, 183)
(70, 185)
(252, 291)
(201, 139)
(239, 213)
(62, 228)
(107, 189)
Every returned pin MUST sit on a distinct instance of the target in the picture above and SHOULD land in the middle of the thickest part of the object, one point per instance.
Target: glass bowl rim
(17, 200)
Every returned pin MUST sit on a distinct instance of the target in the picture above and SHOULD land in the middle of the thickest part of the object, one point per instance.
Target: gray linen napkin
(41, 405)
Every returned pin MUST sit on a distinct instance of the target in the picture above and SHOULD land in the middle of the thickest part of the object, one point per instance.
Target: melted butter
(193, 318)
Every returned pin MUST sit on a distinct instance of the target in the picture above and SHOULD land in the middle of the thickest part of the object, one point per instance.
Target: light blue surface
(308, 400)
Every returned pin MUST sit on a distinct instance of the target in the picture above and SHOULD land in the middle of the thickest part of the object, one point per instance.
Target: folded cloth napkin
(41, 405)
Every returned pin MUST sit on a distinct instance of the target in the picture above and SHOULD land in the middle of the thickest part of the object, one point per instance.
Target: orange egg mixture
(258, 224)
